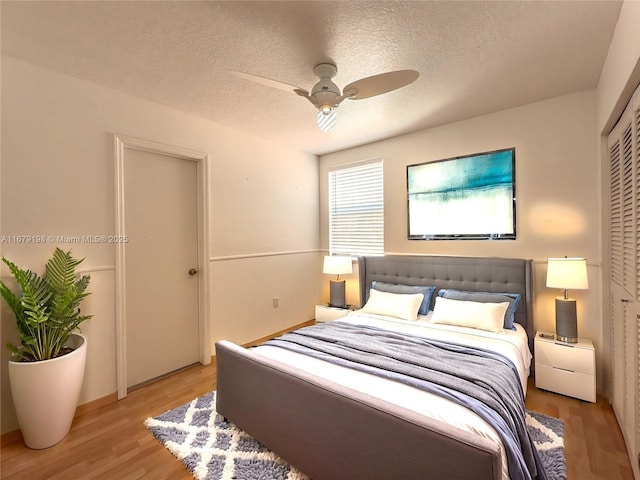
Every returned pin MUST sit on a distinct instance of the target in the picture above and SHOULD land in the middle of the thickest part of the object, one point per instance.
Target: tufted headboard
(481, 274)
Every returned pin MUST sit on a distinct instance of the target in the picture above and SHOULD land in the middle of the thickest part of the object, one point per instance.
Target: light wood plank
(111, 442)
(593, 443)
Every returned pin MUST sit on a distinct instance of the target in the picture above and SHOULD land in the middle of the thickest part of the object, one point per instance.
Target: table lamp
(567, 273)
(336, 265)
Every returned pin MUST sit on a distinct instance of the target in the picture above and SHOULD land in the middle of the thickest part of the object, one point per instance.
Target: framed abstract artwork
(471, 197)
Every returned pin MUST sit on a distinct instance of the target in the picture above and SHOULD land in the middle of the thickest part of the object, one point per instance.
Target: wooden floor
(593, 443)
(112, 442)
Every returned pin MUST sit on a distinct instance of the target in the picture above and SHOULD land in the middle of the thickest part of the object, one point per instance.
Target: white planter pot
(45, 394)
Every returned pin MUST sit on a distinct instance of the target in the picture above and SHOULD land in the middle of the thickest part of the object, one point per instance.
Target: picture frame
(470, 197)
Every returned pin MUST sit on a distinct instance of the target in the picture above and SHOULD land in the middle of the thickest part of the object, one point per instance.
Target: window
(356, 209)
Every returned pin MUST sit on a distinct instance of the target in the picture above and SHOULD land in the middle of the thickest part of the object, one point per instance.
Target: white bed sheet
(512, 344)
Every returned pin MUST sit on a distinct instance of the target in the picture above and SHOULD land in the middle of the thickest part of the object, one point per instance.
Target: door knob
(192, 271)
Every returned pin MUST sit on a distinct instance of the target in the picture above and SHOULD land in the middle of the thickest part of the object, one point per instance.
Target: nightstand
(566, 368)
(325, 313)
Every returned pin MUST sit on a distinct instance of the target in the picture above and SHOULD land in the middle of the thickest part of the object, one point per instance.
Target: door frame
(122, 142)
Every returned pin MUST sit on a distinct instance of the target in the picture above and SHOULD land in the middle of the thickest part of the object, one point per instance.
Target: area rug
(213, 449)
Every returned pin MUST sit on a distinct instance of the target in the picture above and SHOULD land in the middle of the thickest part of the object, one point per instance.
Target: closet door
(624, 230)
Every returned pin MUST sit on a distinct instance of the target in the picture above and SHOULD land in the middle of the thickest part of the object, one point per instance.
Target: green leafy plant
(47, 309)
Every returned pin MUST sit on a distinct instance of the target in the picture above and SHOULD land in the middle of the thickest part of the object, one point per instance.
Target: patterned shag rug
(213, 449)
(547, 434)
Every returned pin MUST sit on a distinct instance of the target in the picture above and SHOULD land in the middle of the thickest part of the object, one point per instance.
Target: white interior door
(161, 264)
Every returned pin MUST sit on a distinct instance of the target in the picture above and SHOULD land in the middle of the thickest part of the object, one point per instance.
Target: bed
(332, 421)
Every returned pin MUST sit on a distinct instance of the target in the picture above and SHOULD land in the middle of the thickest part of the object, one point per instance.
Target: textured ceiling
(473, 57)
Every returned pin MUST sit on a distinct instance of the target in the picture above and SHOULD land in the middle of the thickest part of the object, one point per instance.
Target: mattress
(511, 344)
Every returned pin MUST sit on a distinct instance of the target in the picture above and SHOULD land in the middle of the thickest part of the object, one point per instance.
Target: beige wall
(58, 179)
(557, 187)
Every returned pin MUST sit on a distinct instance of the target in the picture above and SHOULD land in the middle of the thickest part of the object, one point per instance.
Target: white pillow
(399, 305)
(483, 316)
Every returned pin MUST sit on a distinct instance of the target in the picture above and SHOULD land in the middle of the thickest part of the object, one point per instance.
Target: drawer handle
(564, 369)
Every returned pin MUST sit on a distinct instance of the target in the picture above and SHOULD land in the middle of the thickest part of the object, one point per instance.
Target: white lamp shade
(336, 265)
(567, 273)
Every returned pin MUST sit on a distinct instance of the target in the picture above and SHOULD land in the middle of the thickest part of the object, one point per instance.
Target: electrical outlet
(276, 302)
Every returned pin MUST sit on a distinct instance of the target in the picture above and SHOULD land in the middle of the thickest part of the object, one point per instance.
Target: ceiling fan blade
(328, 121)
(379, 84)
(266, 81)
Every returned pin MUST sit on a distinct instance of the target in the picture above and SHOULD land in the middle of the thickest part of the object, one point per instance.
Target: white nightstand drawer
(574, 384)
(325, 313)
(565, 356)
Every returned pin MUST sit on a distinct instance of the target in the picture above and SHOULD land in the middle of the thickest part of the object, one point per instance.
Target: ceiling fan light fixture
(325, 109)
(326, 121)
(325, 95)
(325, 100)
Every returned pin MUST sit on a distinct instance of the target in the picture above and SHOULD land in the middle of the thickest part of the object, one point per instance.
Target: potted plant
(47, 368)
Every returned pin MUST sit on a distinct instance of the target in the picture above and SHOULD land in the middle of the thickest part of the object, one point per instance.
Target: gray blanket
(483, 381)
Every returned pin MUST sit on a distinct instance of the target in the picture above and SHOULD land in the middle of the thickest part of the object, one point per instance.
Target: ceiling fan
(325, 95)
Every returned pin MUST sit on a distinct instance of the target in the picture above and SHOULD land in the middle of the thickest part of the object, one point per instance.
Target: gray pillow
(486, 297)
(426, 290)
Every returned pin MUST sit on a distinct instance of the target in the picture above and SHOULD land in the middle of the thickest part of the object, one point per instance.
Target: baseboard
(16, 435)
(95, 404)
(277, 334)
(11, 437)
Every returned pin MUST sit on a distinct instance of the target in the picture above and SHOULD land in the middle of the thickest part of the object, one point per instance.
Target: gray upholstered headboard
(481, 274)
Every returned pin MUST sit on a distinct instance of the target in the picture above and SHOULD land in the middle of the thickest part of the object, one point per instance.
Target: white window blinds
(356, 210)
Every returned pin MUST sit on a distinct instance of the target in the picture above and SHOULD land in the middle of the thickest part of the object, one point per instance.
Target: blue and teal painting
(467, 196)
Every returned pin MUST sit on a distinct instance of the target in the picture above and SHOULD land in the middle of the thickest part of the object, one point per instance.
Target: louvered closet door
(624, 230)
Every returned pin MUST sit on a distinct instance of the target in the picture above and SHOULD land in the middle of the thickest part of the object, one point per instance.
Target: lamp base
(567, 339)
(336, 293)
(566, 320)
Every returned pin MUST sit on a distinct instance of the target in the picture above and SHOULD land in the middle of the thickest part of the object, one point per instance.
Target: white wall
(557, 187)
(58, 179)
(621, 73)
